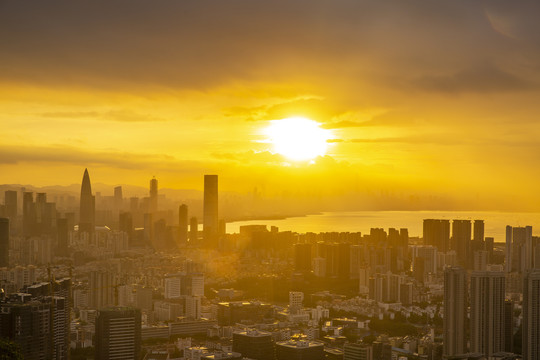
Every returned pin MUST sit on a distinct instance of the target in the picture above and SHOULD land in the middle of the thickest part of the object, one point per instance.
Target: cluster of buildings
(137, 280)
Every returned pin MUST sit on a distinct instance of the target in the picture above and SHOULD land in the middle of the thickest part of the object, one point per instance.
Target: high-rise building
(148, 223)
(57, 295)
(488, 245)
(254, 344)
(62, 237)
(508, 255)
(487, 312)
(118, 334)
(461, 238)
(101, 292)
(173, 286)
(125, 223)
(519, 249)
(118, 198)
(357, 351)
(296, 299)
(153, 195)
(29, 214)
(302, 257)
(531, 316)
(406, 294)
(437, 233)
(193, 230)
(88, 205)
(344, 262)
(4, 242)
(478, 230)
(509, 326)
(455, 311)
(183, 224)
(27, 323)
(210, 210)
(11, 204)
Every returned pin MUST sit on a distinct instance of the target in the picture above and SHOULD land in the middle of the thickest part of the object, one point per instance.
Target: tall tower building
(509, 326)
(519, 248)
(62, 236)
(193, 230)
(11, 204)
(461, 238)
(102, 285)
(118, 334)
(302, 257)
(153, 195)
(29, 214)
(88, 205)
(210, 211)
(478, 230)
(437, 233)
(531, 316)
(455, 311)
(4, 242)
(118, 198)
(487, 312)
(183, 224)
(508, 255)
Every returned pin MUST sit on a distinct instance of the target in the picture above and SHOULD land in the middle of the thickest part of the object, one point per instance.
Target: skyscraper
(487, 312)
(88, 205)
(183, 224)
(210, 216)
(531, 316)
(118, 334)
(437, 233)
(118, 198)
(455, 311)
(4, 242)
(193, 230)
(29, 214)
(101, 292)
(302, 257)
(62, 236)
(509, 326)
(478, 230)
(11, 204)
(461, 238)
(519, 248)
(27, 323)
(508, 256)
(153, 195)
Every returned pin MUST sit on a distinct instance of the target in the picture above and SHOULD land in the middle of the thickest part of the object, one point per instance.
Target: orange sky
(434, 98)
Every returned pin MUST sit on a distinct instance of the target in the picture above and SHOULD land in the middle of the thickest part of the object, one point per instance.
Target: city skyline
(434, 101)
(272, 180)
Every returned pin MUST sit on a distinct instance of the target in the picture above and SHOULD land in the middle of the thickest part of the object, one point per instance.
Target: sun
(298, 138)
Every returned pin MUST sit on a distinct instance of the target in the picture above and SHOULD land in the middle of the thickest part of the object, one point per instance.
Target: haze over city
(423, 100)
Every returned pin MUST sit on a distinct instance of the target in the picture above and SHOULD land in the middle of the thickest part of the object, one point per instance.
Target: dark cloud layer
(202, 44)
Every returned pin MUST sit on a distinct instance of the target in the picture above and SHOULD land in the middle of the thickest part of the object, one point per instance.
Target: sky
(433, 100)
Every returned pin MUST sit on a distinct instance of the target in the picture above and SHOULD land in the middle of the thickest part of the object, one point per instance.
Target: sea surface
(363, 221)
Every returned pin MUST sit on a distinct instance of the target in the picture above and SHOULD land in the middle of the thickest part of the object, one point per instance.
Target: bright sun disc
(298, 138)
